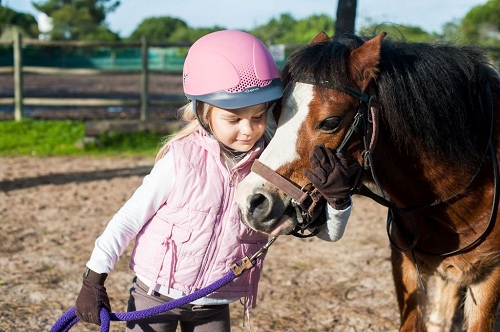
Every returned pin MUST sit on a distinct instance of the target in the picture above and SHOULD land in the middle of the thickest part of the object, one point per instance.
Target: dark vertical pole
(346, 17)
(144, 81)
(18, 76)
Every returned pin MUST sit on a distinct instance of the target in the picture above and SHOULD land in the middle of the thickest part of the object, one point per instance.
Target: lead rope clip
(248, 263)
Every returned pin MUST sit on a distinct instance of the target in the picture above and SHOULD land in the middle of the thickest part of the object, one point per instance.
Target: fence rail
(18, 70)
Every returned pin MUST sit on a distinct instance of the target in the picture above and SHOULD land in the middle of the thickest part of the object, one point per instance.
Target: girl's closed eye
(233, 120)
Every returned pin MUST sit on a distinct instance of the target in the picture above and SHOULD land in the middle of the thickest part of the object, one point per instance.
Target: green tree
(287, 30)
(306, 29)
(452, 33)
(79, 19)
(481, 25)
(275, 30)
(25, 22)
(158, 29)
(190, 35)
(400, 32)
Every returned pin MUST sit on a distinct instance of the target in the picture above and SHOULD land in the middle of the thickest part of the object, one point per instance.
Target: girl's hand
(92, 297)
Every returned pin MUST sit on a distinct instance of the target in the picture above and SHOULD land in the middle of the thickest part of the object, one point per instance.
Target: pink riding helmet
(230, 69)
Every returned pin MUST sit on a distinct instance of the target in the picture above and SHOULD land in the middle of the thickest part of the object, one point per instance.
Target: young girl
(183, 217)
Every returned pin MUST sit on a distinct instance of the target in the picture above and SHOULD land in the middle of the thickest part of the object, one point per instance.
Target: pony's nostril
(258, 204)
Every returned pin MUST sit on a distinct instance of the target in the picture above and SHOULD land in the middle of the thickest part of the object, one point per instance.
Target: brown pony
(423, 121)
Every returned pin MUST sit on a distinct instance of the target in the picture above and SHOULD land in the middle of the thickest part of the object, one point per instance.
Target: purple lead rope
(69, 318)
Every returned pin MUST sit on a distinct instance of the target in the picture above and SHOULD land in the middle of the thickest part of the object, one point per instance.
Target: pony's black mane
(433, 96)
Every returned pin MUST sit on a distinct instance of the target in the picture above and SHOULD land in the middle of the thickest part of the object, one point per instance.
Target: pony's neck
(416, 178)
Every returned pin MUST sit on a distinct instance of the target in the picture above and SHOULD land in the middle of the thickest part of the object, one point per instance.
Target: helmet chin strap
(195, 110)
(234, 153)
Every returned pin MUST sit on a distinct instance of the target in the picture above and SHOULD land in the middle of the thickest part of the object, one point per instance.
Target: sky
(430, 15)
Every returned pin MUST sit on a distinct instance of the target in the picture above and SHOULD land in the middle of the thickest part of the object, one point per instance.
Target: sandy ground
(52, 209)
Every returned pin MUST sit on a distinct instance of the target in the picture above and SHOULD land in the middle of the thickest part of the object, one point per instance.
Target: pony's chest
(468, 270)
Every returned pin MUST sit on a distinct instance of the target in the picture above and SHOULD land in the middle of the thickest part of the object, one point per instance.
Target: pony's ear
(364, 61)
(320, 38)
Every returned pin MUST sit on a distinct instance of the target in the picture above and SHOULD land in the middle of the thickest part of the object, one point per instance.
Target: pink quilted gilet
(195, 237)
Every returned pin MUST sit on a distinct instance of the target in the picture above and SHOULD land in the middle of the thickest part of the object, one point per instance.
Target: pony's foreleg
(411, 298)
(447, 298)
(481, 303)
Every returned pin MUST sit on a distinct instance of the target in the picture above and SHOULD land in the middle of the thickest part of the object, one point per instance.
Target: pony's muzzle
(258, 206)
(262, 209)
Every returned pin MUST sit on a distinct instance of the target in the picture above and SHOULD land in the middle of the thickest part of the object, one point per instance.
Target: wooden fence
(144, 101)
(18, 70)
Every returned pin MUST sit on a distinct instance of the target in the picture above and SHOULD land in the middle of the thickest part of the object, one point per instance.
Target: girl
(185, 223)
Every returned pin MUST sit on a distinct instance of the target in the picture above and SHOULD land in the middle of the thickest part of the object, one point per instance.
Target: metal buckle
(248, 263)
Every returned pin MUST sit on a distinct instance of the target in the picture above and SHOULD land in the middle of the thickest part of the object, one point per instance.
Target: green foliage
(287, 30)
(158, 29)
(46, 138)
(25, 22)
(169, 29)
(190, 35)
(85, 20)
(452, 33)
(400, 32)
(79, 19)
(481, 25)
(101, 33)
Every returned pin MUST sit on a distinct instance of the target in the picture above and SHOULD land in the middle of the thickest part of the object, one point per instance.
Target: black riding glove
(330, 175)
(92, 297)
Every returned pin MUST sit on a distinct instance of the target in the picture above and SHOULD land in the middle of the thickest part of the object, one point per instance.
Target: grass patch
(49, 138)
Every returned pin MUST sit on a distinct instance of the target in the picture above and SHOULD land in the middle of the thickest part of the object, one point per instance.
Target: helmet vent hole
(248, 79)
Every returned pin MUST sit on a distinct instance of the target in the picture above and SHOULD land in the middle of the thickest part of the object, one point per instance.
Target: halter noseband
(305, 200)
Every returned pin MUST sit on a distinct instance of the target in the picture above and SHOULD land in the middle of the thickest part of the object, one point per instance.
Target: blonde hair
(186, 114)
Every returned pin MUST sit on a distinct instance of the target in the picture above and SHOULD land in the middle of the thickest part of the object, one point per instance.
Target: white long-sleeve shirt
(148, 198)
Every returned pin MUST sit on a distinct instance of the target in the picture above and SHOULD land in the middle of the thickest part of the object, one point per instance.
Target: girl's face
(241, 128)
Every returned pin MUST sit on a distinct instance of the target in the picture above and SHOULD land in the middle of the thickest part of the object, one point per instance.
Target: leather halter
(359, 188)
(366, 122)
(308, 200)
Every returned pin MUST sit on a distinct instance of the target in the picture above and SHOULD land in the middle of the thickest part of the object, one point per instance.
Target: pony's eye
(329, 124)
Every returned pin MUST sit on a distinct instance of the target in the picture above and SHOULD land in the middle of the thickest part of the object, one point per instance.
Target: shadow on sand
(64, 178)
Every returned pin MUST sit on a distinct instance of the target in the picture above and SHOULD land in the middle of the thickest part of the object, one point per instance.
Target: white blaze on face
(281, 149)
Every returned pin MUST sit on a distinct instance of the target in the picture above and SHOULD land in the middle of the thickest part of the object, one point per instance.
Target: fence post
(144, 81)
(18, 76)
